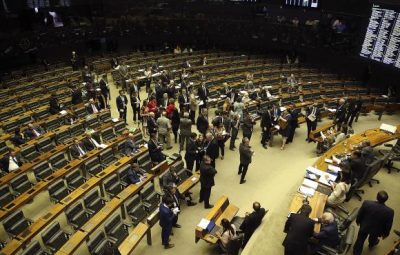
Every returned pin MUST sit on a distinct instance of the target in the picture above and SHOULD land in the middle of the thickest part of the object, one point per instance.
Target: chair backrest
(5, 195)
(62, 136)
(92, 166)
(112, 223)
(45, 144)
(21, 183)
(92, 195)
(107, 133)
(58, 190)
(106, 156)
(119, 127)
(92, 122)
(76, 173)
(105, 116)
(33, 248)
(10, 222)
(97, 244)
(147, 191)
(123, 172)
(132, 202)
(50, 232)
(77, 129)
(350, 218)
(374, 168)
(3, 147)
(28, 151)
(58, 160)
(52, 124)
(109, 181)
(42, 170)
(80, 112)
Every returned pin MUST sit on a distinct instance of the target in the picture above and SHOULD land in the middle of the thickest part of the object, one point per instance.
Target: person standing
(191, 151)
(202, 122)
(185, 127)
(375, 220)
(247, 125)
(211, 148)
(164, 130)
(203, 93)
(353, 110)
(251, 222)
(167, 218)
(175, 122)
(135, 103)
(234, 131)
(207, 173)
(105, 90)
(192, 108)
(311, 119)
(266, 124)
(340, 115)
(122, 100)
(298, 228)
(246, 153)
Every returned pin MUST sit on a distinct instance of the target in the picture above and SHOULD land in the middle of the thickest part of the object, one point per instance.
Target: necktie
(81, 152)
(36, 132)
(15, 160)
(94, 108)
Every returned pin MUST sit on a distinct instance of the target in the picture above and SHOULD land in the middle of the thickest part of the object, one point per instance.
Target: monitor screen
(303, 3)
(382, 39)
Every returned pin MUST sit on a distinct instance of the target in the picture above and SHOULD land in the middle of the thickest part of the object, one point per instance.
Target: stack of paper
(334, 169)
(388, 128)
(310, 184)
(306, 191)
(327, 160)
(203, 223)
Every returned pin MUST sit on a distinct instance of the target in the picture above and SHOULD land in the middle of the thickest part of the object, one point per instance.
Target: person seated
(18, 138)
(93, 107)
(55, 106)
(329, 233)
(357, 166)
(227, 234)
(10, 162)
(172, 179)
(251, 222)
(340, 189)
(135, 174)
(34, 131)
(90, 143)
(367, 152)
(155, 149)
(77, 150)
(130, 146)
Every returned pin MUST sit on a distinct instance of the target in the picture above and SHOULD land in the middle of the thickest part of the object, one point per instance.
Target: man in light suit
(375, 220)
(122, 101)
(185, 127)
(167, 217)
(164, 130)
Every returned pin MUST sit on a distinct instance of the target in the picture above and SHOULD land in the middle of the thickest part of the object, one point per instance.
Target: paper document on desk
(194, 179)
(306, 191)
(63, 112)
(324, 177)
(330, 161)
(310, 184)
(103, 146)
(388, 128)
(331, 110)
(335, 159)
(334, 169)
(203, 223)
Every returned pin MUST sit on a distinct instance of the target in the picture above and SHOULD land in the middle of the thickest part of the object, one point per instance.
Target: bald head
(327, 218)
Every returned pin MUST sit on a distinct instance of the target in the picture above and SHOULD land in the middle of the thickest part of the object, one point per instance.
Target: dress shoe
(265, 147)
(371, 245)
(244, 181)
(168, 148)
(232, 149)
(239, 173)
(177, 225)
(169, 246)
(397, 232)
(190, 203)
(201, 201)
(209, 206)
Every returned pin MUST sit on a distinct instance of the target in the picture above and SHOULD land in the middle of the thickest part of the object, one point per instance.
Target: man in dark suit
(312, 114)
(76, 96)
(202, 122)
(191, 151)
(298, 228)
(89, 143)
(77, 150)
(212, 149)
(357, 166)
(375, 220)
(34, 131)
(152, 124)
(234, 131)
(55, 107)
(329, 233)
(169, 182)
(183, 100)
(155, 149)
(251, 222)
(93, 107)
(167, 217)
(353, 110)
(135, 174)
(130, 146)
(207, 173)
(203, 93)
(105, 90)
(122, 101)
(10, 162)
(266, 124)
(340, 115)
(245, 153)
(247, 125)
(185, 127)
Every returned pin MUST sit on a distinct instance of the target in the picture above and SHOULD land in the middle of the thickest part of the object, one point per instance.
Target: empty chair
(93, 202)
(45, 144)
(112, 185)
(21, 184)
(74, 179)
(58, 190)
(52, 124)
(24, 120)
(42, 170)
(10, 126)
(107, 134)
(139, 139)
(63, 136)
(29, 152)
(145, 162)
(98, 244)
(58, 160)
(16, 223)
(41, 113)
(5, 195)
(54, 237)
(92, 122)
(77, 216)
(135, 209)
(183, 174)
(80, 112)
(105, 116)
(123, 174)
(107, 157)
(3, 147)
(116, 231)
(150, 198)
(120, 127)
(34, 248)
(92, 166)
(77, 130)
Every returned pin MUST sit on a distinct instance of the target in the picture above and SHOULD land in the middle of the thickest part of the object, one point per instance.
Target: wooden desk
(315, 134)
(222, 209)
(133, 239)
(189, 183)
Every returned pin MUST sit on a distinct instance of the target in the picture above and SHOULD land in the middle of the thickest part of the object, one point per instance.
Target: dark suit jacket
(340, 115)
(169, 179)
(212, 149)
(5, 161)
(298, 229)
(76, 97)
(203, 94)
(185, 126)
(191, 148)
(89, 108)
(358, 168)
(54, 106)
(247, 126)
(155, 153)
(29, 132)
(182, 101)
(152, 125)
(266, 120)
(251, 222)
(132, 177)
(245, 154)
(375, 218)
(74, 150)
(129, 147)
(202, 124)
(88, 145)
(207, 174)
(328, 235)
(309, 111)
(103, 87)
(120, 105)
(166, 217)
